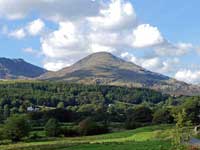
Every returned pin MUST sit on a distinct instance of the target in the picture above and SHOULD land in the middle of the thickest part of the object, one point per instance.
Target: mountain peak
(106, 69)
(102, 55)
(100, 59)
(18, 68)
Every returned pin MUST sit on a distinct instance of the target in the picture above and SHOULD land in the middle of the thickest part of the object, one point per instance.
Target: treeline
(16, 97)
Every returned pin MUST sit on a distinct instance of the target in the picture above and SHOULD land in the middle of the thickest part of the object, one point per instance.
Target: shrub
(34, 136)
(52, 128)
(182, 132)
(89, 127)
(70, 131)
(162, 116)
(130, 124)
(16, 127)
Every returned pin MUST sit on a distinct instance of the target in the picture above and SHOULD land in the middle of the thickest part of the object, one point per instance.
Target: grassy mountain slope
(18, 68)
(106, 69)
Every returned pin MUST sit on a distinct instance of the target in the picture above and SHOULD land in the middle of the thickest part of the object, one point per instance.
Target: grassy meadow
(146, 138)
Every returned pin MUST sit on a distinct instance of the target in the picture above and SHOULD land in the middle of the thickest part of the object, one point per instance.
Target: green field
(147, 138)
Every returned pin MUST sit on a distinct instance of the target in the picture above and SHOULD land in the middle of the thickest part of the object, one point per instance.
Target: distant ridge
(18, 69)
(106, 69)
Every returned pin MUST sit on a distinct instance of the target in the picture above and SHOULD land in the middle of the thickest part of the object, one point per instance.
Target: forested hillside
(20, 95)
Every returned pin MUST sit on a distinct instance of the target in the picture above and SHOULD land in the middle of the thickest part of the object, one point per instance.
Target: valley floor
(147, 138)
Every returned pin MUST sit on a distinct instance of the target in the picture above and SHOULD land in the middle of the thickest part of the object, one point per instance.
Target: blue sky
(161, 36)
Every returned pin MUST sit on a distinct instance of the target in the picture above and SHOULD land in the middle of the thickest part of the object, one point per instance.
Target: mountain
(105, 69)
(18, 69)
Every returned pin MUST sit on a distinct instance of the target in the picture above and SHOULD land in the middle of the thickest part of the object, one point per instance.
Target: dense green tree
(90, 127)
(16, 127)
(52, 128)
(87, 126)
(142, 114)
(192, 108)
(162, 116)
(138, 117)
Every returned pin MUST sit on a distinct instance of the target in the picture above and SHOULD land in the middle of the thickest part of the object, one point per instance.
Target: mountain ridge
(106, 69)
(98, 68)
(18, 69)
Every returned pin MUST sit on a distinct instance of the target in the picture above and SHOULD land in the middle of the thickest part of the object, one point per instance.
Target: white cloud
(148, 63)
(28, 50)
(19, 33)
(155, 64)
(100, 48)
(168, 49)
(182, 45)
(64, 42)
(170, 66)
(115, 40)
(55, 66)
(51, 9)
(151, 63)
(188, 76)
(32, 51)
(118, 15)
(35, 27)
(146, 35)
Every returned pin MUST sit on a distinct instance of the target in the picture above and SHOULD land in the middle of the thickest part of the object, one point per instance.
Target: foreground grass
(151, 138)
(145, 145)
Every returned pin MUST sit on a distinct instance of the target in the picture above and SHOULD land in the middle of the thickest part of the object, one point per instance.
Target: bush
(162, 116)
(70, 131)
(89, 127)
(101, 129)
(52, 128)
(129, 124)
(16, 128)
(34, 136)
(138, 117)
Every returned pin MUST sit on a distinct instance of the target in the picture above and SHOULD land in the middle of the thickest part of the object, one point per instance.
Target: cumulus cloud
(67, 42)
(118, 15)
(94, 48)
(146, 35)
(35, 27)
(188, 76)
(55, 65)
(155, 64)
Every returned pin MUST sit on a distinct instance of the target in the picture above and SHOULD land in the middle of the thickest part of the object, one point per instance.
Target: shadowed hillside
(18, 68)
